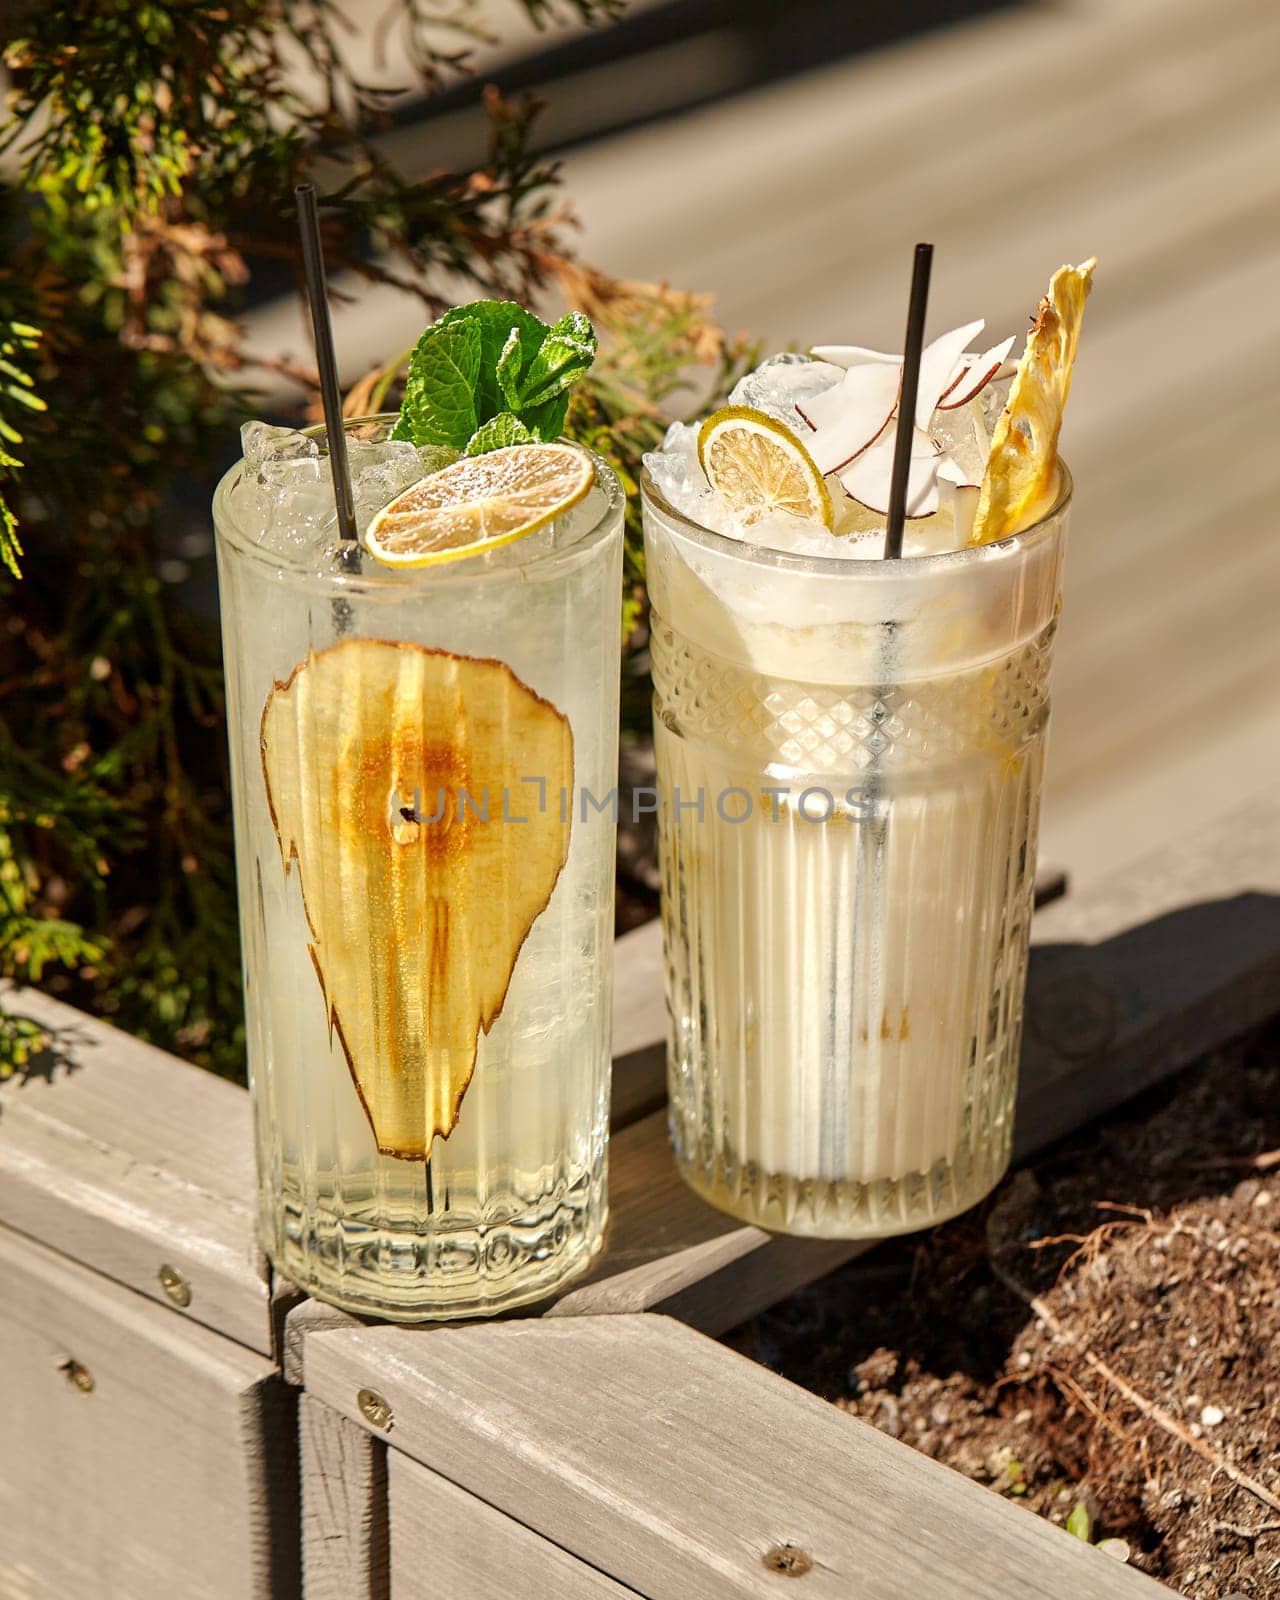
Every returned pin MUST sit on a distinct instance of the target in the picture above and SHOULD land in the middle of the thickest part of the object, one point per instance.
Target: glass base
(408, 1274)
(824, 1209)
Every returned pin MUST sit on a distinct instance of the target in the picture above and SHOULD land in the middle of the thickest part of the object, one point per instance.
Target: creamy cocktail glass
(849, 761)
(426, 907)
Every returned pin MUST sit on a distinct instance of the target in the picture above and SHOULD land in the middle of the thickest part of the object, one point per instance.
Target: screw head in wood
(79, 1377)
(374, 1408)
(175, 1285)
(791, 1560)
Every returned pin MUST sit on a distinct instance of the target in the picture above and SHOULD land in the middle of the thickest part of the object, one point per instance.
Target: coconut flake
(974, 374)
(849, 415)
(867, 478)
(959, 496)
(950, 470)
(852, 434)
(937, 363)
(852, 355)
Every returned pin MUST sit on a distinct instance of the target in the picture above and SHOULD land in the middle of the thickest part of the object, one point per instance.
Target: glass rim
(229, 528)
(878, 570)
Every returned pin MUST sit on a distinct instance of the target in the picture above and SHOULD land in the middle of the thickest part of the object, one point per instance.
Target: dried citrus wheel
(479, 503)
(756, 465)
(1021, 480)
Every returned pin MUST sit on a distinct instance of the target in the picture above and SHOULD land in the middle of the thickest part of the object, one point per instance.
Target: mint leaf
(439, 398)
(493, 361)
(567, 351)
(496, 320)
(546, 422)
(510, 363)
(504, 429)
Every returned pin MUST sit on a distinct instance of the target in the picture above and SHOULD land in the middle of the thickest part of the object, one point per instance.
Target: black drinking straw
(907, 402)
(322, 328)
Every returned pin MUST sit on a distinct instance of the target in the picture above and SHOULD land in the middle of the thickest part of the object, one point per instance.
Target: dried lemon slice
(756, 465)
(1021, 480)
(479, 503)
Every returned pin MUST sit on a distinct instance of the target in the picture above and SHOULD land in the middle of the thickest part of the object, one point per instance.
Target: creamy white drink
(850, 754)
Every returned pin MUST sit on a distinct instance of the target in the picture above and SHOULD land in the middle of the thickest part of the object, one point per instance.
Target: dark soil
(1146, 1372)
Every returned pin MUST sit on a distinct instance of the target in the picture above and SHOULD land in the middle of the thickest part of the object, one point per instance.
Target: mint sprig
(491, 374)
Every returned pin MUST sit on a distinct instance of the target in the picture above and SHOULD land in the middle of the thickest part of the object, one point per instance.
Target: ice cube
(364, 455)
(993, 399)
(782, 383)
(292, 501)
(263, 444)
(680, 445)
(679, 478)
(380, 470)
(963, 435)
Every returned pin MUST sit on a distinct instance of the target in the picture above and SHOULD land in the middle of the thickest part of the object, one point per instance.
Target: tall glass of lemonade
(426, 907)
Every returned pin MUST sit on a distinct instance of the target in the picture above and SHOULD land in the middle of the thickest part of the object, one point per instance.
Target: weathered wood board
(125, 1158)
(141, 1456)
(344, 1506)
(676, 1466)
(1139, 976)
(445, 1542)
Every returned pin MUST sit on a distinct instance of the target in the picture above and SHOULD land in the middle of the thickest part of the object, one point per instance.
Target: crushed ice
(292, 484)
(781, 388)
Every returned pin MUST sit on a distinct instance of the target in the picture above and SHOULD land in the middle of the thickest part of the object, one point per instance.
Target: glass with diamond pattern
(849, 762)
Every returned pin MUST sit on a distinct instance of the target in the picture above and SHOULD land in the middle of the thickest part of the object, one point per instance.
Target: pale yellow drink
(390, 958)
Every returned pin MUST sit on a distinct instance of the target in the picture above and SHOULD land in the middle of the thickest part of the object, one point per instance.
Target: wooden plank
(143, 1455)
(446, 1542)
(639, 1016)
(639, 1078)
(1065, 85)
(1143, 974)
(1128, 983)
(677, 1466)
(343, 1472)
(125, 1158)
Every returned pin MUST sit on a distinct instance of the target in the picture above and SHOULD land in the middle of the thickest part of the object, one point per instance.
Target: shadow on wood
(1105, 1021)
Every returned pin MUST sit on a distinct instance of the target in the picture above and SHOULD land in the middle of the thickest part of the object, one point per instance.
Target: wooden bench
(174, 1421)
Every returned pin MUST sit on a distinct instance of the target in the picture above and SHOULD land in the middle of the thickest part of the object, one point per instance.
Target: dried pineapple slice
(1021, 480)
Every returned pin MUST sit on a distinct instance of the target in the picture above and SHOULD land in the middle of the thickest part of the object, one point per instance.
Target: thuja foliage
(154, 143)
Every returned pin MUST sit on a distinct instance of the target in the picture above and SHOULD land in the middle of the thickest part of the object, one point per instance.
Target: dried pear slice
(1021, 480)
(417, 907)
